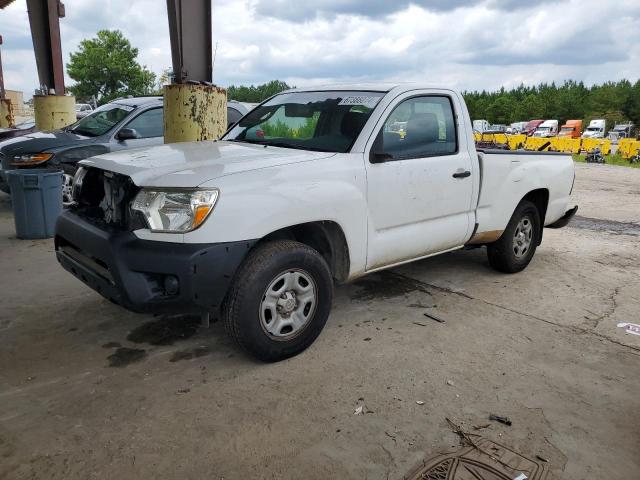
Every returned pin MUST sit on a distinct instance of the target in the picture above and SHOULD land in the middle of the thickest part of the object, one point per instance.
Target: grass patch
(609, 160)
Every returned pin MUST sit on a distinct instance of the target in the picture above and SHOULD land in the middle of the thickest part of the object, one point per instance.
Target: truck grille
(104, 199)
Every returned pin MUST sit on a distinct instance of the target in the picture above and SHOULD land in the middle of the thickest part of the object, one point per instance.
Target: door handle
(463, 174)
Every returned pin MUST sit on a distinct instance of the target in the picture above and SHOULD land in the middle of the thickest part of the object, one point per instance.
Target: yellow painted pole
(194, 113)
(6, 113)
(53, 112)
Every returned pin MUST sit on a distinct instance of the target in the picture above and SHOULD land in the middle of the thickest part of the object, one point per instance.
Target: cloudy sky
(470, 44)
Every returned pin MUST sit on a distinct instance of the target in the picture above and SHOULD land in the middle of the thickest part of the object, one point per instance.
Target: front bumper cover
(132, 272)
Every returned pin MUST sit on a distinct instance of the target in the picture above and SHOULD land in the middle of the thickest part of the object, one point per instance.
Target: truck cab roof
(369, 87)
(137, 101)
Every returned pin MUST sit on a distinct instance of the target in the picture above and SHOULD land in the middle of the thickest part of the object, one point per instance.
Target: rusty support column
(194, 109)
(53, 112)
(52, 108)
(7, 119)
(194, 112)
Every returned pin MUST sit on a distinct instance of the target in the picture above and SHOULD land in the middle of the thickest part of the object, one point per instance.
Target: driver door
(419, 183)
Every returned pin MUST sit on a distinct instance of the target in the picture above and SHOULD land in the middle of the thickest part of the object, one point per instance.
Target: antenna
(213, 64)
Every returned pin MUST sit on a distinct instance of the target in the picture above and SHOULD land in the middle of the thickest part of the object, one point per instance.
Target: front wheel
(279, 301)
(513, 251)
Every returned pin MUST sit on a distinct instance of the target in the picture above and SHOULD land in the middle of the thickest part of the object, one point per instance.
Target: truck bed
(506, 176)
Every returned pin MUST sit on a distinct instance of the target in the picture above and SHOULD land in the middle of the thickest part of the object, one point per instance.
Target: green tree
(614, 101)
(256, 93)
(106, 67)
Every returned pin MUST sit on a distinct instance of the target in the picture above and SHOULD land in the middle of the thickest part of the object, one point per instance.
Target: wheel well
(540, 198)
(326, 237)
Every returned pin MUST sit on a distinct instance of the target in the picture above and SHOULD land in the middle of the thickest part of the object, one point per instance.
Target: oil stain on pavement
(166, 330)
(606, 226)
(385, 285)
(124, 356)
(200, 351)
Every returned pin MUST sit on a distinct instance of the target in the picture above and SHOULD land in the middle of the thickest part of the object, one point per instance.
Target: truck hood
(185, 165)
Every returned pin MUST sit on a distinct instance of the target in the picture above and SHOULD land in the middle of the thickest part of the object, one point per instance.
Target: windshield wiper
(86, 133)
(296, 147)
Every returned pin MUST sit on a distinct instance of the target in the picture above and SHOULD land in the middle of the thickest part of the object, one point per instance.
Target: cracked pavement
(540, 347)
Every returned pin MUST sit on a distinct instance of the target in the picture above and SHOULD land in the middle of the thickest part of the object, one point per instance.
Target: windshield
(26, 125)
(593, 129)
(101, 120)
(542, 129)
(320, 121)
(567, 129)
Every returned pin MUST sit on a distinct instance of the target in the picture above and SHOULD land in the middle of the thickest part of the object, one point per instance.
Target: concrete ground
(88, 390)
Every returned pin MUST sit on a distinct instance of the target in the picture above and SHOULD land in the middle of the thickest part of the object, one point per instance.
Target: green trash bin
(36, 196)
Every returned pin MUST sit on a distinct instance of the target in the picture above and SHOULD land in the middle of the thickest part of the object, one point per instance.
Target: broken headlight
(76, 187)
(175, 211)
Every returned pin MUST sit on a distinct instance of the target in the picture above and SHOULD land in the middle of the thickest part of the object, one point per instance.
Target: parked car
(236, 110)
(22, 128)
(571, 129)
(531, 127)
(548, 128)
(82, 110)
(596, 129)
(119, 125)
(260, 229)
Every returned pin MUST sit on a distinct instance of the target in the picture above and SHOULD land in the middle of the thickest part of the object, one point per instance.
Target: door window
(148, 124)
(419, 127)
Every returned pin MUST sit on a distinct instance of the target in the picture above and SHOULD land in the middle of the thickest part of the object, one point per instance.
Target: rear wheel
(279, 301)
(513, 251)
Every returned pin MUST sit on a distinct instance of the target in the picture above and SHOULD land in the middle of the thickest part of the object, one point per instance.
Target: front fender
(72, 155)
(256, 203)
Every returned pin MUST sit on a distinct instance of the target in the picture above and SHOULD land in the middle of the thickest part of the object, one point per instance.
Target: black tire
(242, 314)
(503, 253)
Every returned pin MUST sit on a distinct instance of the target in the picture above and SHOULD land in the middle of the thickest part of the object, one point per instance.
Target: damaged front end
(104, 199)
(97, 243)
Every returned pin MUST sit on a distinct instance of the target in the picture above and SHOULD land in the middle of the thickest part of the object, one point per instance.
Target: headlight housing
(28, 159)
(78, 178)
(175, 210)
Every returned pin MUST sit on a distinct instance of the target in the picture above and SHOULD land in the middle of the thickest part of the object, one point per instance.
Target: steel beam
(190, 36)
(44, 18)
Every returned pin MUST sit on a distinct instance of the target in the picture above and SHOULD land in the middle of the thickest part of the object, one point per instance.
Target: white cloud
(472, 44)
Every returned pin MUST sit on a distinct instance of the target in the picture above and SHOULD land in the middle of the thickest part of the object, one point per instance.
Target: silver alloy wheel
(523, 237)
(288, 304)
(67, 187)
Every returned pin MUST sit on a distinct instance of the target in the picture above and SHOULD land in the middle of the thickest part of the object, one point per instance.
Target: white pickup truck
(312, 187)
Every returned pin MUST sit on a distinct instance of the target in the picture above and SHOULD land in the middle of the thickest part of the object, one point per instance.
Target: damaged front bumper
(566, 218)
(147, 276)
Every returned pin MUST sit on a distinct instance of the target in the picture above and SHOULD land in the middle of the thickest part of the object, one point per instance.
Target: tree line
(614, 101)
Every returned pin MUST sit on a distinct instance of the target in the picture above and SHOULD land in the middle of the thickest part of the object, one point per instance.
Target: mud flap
(565, 219)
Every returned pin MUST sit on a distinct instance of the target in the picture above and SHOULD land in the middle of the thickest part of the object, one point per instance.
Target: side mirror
(127, 134)
(379, 157)
(377, 154)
